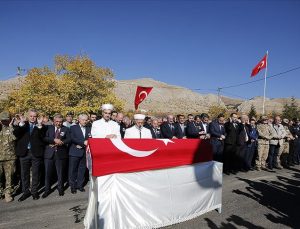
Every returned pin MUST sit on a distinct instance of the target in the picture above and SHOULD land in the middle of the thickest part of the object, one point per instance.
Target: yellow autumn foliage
(76, 84)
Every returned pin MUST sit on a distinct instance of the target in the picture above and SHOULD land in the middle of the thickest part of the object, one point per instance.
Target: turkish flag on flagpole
(141, 94)
(262, 64)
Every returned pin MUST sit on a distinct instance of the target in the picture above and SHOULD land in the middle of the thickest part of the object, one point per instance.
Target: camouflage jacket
(265, 133)
(7, 138)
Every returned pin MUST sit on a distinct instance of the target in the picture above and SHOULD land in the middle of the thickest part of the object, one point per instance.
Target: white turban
(139, 117)
(107, 107)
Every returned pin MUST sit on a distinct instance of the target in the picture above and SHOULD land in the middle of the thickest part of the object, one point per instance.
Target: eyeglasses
(107, 113)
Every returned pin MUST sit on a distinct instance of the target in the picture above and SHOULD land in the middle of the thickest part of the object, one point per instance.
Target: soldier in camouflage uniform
(264, 136)
(285, 149)
(7, 156)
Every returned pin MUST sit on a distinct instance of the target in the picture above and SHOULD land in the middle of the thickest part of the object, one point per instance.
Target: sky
(195, 44)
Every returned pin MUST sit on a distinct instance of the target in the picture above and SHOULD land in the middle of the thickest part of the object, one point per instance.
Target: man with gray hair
(56, 154)
(77, 158)
(29, 133)
(276, 143)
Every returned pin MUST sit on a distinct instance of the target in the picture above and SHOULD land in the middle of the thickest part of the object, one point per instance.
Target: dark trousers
(230, 157)
(217, 147)
(296, 153)
(60, 165)
(77, 169)
(250, 151)
(272, 158)
(27, 162)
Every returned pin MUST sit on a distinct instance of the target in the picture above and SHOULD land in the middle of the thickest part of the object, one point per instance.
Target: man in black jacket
(77, 159)
(155, 131)
(232, 129)
(56, 154)
(30, 149)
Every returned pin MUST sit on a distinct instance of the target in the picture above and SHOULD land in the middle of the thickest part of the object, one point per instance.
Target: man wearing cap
(264, 136)
(138, 131)
(105, 127)
(285, 149)
(7, 156)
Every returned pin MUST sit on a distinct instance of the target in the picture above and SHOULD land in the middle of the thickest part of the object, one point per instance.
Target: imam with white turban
(101, 128)
(138, 132)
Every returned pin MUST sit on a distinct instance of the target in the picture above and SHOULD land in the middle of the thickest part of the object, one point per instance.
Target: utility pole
(219, 99)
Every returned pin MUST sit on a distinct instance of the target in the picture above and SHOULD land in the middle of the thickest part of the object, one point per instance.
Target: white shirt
(67, 124)
(134, 132)
(82, 129)
(102, 128)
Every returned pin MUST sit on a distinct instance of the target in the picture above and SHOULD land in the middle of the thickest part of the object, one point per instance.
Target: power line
(253, 81)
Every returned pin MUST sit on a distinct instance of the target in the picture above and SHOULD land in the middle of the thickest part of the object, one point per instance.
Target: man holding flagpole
(261, 65)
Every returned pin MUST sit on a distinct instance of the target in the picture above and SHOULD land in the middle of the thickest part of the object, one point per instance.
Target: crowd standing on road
(36, 151)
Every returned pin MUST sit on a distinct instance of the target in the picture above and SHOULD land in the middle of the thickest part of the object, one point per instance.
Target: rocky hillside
(166, 98)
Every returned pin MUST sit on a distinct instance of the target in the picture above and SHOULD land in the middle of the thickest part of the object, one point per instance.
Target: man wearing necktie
(30, 149)
(155, 131)
(77, 158)
(56, 154)
(217, 132)
(168, 129)
(231, 159)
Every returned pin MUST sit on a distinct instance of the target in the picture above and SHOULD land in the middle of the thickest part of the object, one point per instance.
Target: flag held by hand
(141, 94)
(261, 65)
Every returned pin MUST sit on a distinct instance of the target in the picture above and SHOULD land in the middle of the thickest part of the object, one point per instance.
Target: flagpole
(265, 83)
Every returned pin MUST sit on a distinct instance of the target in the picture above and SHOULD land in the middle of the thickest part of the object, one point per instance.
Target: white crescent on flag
(120, 145)
(143, 92)
(262, 64)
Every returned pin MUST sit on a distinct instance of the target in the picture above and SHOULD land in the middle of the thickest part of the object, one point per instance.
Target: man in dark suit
(168, 129)
(243, 142)
(217, 136)
(232, 129)
(204, 126)
(119, 120)
(56, 153)
(77, 158)
(155, 131)
(30, 149)
(180, 127)
(193, 129)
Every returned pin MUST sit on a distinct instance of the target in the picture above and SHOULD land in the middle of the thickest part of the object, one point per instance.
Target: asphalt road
(250, 200)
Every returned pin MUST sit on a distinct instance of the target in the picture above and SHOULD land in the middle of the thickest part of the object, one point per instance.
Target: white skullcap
(139, 116)
(107, 107)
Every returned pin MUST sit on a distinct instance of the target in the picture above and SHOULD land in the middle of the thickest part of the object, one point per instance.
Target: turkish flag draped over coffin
(131, 155)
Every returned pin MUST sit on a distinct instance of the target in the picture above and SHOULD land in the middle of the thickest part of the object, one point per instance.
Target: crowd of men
(46, 149)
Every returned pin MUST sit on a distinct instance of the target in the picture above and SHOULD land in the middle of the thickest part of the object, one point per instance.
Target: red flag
(140, 95)
(132, 155)
(262, 64)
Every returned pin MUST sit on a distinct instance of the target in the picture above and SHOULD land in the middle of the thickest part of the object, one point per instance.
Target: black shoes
(24, 197)
(35, 196)
(81, 189)
(45, 194)
(73, 191)
(61, 192)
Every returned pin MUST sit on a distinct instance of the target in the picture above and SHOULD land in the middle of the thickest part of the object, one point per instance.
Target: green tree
(76, 84)
(252, 112)
(214, 111)
(291, 110)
